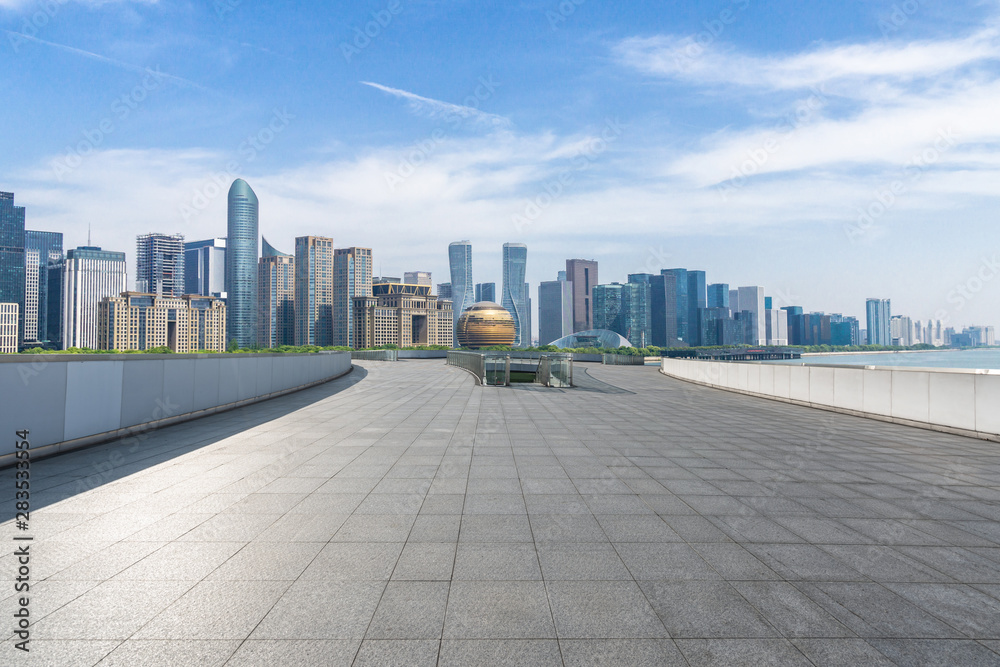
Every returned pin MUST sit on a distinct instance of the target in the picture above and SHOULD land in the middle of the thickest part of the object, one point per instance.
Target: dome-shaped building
(485, 324)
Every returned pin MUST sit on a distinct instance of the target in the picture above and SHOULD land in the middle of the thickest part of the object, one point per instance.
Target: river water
(934, 359)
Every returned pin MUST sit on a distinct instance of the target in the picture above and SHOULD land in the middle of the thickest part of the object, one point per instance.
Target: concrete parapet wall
(951, 400)
(74, 400)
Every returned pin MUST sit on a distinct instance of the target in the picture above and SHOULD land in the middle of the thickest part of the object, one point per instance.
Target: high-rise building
(12, 260)
(609, 308)
(514, 299)
(417, 278)
(752, 301)
(9, 319)
(625, 310)
(463, 292)
(137, 321)
(527, 315)
(486, 292)
(241, 264)
(444, 291)
(89, 274)
(404, 315)
(796, 325)
(663, 310)
(734, 300)
(639, 323)
(697, 298)
(718, 295)
(879, 316)
(42, 250)
(314, 291)
(276, 297)
(352, 277)
(555, 310)
(583, 274)
(159, 264)
(205, 267)
(777, 326)
(845, 332)
(681, 304)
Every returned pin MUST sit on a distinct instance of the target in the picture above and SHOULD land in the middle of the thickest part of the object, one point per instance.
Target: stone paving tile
(500, 653)
(498, 610)
(304, 652)
(613, 652)
(200, 653)
(402, 515)
(742, 652)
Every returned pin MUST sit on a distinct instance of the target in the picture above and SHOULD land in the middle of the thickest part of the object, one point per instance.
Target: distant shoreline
(837, 354)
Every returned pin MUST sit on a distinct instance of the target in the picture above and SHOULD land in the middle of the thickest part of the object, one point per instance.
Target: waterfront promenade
(403, 515)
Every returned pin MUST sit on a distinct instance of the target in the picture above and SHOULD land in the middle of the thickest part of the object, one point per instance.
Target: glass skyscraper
(718, 295)
(682, 336)
(486, 292)
(462, 288)
(205, 267)
(696, 300)
(42, 250)
(555, 310)
(514, 298)
(241, 264)
(12, 257)
(879, 321)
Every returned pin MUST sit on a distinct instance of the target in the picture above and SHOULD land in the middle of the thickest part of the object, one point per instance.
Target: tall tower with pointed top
(241, 264)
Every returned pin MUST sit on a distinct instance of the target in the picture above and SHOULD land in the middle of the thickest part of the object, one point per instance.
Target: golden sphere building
(485, 324)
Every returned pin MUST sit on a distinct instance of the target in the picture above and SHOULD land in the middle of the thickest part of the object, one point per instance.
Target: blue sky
(828, 151)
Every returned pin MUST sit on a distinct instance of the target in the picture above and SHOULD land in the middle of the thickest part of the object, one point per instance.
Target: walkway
(409, 517)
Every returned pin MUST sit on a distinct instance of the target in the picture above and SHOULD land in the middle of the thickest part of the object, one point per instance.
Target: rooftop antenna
(88, 233)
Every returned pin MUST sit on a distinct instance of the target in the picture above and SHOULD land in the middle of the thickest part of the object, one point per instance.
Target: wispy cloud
(683, 59)
(432, 108)
(109, 61)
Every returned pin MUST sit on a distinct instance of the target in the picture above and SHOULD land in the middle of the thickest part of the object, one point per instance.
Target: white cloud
(685, 59)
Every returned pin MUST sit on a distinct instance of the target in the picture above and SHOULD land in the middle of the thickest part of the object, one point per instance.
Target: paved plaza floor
(403, 515)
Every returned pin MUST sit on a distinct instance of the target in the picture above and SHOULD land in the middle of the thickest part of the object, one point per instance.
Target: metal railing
(555, 370)
(493, 368)
(473, 362)
(375, 355)
(623, 360)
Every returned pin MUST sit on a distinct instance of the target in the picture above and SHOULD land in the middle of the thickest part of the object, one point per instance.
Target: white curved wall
(955, 400)
(73, 400)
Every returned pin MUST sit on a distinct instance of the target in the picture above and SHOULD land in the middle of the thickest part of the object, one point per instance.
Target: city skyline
(759, 175)
(777, 328)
